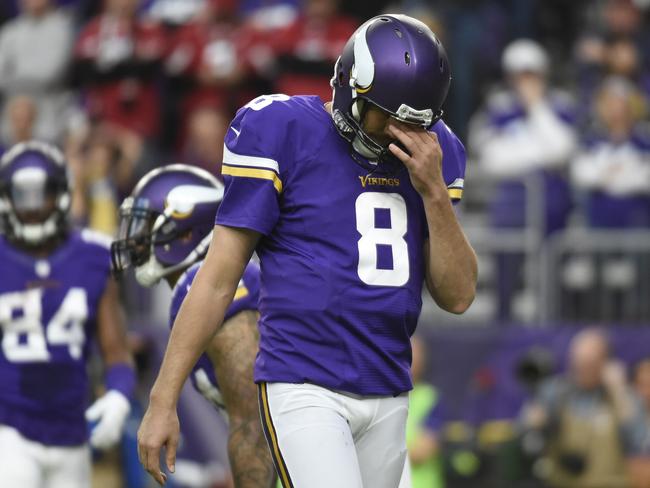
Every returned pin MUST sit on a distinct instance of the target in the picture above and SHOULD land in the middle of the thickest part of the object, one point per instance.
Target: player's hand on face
(159, 428)
(424, 157)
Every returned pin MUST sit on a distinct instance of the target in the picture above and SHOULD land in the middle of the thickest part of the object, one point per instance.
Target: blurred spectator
(640, 467)
(204, 144)
(104, 166)
(34, 57)
(615, 43)
(597, 60)
(205, 63)
(424, 425)
(118, 57)
(308, 48)
(589, 418)
(525, 131)
(523, 139)
(621, 17)
(613, 164)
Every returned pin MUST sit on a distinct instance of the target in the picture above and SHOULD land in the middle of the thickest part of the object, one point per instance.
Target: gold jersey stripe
(241, 292)
(286, 483)
(455, 193)
(264, 174)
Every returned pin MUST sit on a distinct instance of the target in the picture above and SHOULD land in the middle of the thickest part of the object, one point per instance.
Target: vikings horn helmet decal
(166, 224)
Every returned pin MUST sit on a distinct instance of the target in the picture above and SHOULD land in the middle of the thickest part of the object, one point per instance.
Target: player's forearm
(451, 267)
(197, 321)
(203, 309)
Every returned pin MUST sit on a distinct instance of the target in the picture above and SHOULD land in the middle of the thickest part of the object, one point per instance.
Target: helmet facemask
(135, 238)
(34, 198)
(141, 232)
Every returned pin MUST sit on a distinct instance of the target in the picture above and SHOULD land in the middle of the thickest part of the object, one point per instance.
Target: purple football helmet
(166, 224)
(34, 194)
(396, 63)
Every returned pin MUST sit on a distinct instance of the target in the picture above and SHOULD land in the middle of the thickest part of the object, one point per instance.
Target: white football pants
(321, 438)
(28, 464)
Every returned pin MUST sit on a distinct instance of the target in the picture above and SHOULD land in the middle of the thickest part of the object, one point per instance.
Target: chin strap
(34, 234)
(152, 271)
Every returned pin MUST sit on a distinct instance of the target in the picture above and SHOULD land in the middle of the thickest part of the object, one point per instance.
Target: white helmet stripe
(363, 71)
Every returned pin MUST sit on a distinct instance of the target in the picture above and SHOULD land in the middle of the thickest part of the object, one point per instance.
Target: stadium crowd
(551, 101)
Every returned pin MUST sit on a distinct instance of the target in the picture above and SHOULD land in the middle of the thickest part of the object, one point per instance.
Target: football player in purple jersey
(56, 297)
(349, 207)
(165, 230)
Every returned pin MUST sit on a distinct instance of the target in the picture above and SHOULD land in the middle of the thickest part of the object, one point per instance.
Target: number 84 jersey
(342, 262)
(48, 308)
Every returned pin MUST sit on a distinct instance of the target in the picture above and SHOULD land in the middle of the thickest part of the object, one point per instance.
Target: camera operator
(639, 466)
(589, 419)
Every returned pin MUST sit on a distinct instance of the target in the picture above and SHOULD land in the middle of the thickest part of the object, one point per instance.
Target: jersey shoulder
(12, 259)
(270, 131)
(84, 246)
(454, 159)
(279, 110)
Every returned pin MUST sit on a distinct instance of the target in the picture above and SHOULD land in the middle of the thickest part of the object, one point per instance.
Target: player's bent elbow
(460, 304)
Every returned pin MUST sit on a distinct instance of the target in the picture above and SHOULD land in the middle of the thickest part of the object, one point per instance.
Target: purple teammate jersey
(246, 298)
(48, 311)
(342, 251)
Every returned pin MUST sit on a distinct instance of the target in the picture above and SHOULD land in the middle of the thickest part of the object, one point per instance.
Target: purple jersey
(246, 298)
(48, 311)
(342, 250)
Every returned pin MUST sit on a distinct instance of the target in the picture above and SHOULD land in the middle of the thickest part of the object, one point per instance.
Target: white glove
(110, 412)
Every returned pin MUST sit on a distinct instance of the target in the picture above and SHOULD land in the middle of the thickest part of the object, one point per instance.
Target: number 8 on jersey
(372, 237)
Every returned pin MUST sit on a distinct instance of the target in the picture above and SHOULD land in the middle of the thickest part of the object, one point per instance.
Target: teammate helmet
(396, 63)
(166, 224)
(34, 193)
